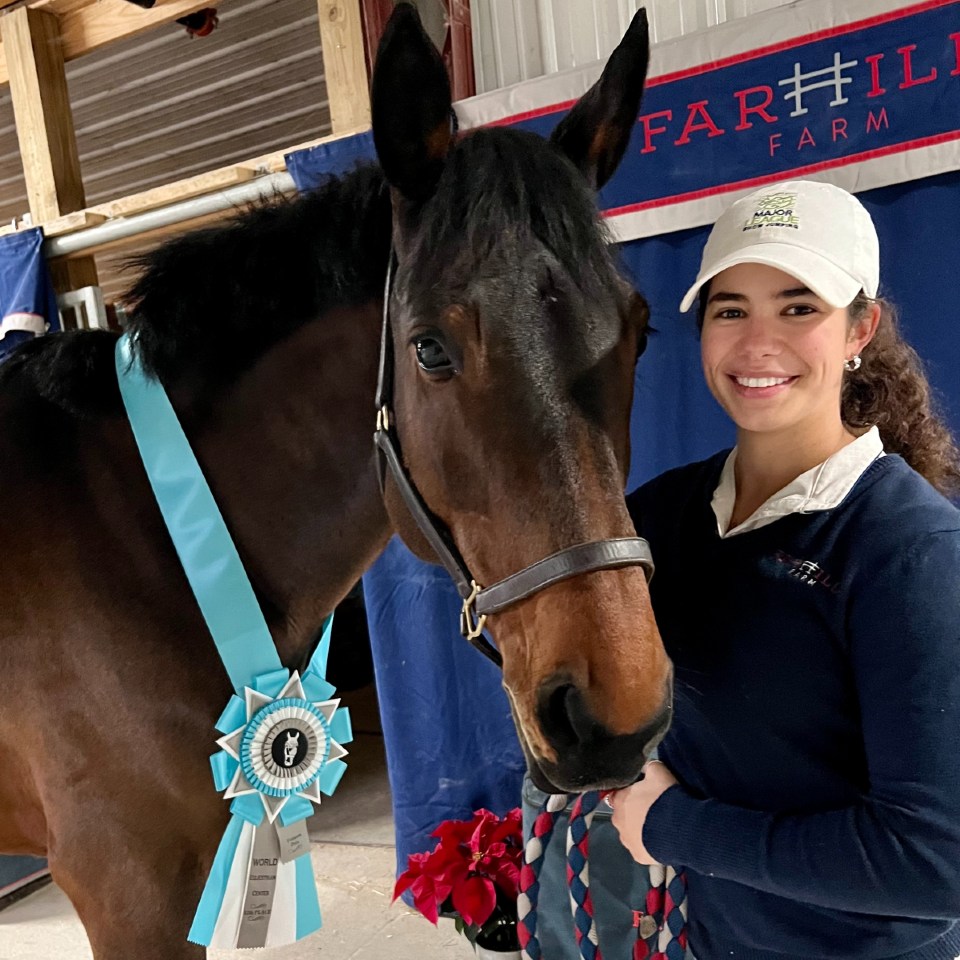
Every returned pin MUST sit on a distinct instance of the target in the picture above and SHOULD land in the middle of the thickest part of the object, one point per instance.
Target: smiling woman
(809, 781)
(773, 356)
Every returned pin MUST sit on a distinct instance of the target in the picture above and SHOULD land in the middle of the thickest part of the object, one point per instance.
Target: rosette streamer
(282, 733)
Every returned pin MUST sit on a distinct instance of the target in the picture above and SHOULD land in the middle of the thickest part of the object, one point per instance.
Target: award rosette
(281, 749)
(283, 734)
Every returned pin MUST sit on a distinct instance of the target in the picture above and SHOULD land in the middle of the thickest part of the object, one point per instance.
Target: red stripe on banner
(824, 34)
(790, 174)
(747, 55)
(531, 114)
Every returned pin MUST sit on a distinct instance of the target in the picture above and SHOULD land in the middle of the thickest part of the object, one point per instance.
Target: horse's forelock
(502, 187)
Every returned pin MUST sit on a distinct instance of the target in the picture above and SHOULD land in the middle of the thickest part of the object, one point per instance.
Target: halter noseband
(479, 603)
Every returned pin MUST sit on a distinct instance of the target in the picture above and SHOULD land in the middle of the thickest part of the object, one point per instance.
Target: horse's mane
(216, 298)
(213, 300)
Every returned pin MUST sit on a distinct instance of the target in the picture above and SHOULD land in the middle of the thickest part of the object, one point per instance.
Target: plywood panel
(341, 35)
(41, 104)
(87, 25)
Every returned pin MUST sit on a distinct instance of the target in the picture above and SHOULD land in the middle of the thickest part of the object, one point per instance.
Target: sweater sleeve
(897, 851)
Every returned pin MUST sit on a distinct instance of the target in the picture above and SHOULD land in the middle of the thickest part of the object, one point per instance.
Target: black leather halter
(479, 603)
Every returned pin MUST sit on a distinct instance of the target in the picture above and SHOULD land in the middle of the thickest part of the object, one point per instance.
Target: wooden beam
(86, 25)
(89, 26)
(174, 192)
(41, 106)
(344, 65)
(48, 146)
(73, 274)
(170, 193)
(70, 222)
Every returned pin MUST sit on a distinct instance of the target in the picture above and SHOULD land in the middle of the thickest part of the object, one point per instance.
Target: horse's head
(514, 345)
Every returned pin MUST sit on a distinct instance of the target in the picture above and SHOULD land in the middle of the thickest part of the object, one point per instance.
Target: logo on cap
(774, 210)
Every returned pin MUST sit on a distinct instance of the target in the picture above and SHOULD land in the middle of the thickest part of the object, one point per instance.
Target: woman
(808, 591)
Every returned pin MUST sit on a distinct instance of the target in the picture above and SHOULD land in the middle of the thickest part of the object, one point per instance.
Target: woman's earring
(853, 363)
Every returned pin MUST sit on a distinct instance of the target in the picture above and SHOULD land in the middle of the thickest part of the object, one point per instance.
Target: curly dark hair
(891, 391)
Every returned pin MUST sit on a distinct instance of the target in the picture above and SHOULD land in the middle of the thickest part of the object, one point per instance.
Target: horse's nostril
(588, 754)
(564, 716)
(554, 719)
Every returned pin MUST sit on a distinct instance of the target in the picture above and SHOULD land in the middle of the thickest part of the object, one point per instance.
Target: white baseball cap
(816, 232)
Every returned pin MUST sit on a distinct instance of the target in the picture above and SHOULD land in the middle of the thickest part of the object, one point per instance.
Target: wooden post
(41, 107)
(344, 67)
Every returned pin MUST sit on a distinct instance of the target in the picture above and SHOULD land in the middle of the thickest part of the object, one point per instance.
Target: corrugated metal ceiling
(164, 106)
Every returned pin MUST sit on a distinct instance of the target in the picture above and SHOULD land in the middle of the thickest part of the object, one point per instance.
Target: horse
(513, 339)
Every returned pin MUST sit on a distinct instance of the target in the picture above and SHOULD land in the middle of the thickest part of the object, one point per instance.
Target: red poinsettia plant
(472, 875)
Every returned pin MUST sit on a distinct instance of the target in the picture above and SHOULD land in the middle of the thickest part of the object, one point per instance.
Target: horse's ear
(410, 106)
(595, 133)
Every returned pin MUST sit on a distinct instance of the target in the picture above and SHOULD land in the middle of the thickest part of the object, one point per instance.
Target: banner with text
(861, 94)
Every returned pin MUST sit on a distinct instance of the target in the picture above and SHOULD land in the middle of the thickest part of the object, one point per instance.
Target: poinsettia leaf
(414, 869)
(452, 873)
(437, 859)
(475, 899)
(508, 830)
(508, 879)
(424, 898)
(403, 883)
(443, 890)
(453, 832)
(482, 822)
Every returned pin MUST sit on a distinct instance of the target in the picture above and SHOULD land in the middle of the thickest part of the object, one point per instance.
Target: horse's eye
(431, 356)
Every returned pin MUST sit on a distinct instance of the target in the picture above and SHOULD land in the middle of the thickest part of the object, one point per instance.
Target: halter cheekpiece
(480, 602)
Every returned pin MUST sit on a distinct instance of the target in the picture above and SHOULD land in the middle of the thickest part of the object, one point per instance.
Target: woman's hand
(632, 804)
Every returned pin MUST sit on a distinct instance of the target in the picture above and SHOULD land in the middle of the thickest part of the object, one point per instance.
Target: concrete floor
(353, 861)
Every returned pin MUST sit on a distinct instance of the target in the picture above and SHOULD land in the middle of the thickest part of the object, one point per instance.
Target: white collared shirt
(820, 488)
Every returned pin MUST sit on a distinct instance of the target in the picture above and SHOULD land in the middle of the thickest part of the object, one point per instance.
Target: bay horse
(514, 340)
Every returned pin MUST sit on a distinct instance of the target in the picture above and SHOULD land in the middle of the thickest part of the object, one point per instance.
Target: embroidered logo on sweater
(807, 571)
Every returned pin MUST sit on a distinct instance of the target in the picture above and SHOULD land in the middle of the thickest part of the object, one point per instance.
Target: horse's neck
(288, 454)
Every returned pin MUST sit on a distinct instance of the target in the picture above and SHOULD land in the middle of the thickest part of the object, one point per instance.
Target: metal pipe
(123, 227)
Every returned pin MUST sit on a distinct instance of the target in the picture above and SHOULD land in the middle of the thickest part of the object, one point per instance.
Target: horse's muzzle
(589, 756)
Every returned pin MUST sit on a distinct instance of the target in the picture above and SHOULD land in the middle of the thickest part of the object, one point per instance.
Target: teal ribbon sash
(282, 733)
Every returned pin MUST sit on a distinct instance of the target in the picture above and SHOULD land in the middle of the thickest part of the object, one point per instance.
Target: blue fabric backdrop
(675, 420)
(450, 741)
(25, 286)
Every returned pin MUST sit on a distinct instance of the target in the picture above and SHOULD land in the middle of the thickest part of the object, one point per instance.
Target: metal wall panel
(162, 106)
(506, 43)
(744, 8)
(515, 39)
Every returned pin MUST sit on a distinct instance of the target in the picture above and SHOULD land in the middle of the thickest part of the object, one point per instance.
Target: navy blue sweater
(817, 727)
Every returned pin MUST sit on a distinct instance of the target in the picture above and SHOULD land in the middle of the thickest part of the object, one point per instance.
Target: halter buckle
(383, 418)
(471, 625)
